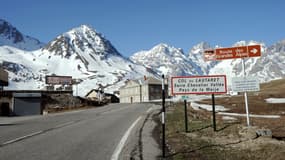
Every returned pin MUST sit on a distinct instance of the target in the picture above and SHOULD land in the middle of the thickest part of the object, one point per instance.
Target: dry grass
(201, 142)
(258, 105)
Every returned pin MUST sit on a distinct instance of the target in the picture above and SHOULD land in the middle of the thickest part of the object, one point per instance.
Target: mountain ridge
(87, 55)
(11, 36)
(80, 52)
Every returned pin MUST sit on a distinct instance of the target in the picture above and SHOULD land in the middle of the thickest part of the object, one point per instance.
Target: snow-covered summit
(268, 67)
(200, 47)
(88, 56)
(166, 59)
(83, 39)
(196, 55)
(10, 36)
(81, 53)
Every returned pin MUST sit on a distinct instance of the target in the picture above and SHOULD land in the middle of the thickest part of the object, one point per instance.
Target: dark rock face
(10, 32)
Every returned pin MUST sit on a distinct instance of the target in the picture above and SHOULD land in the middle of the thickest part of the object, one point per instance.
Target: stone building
(142, 90)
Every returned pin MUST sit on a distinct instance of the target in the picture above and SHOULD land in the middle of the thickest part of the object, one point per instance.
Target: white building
(141, 90)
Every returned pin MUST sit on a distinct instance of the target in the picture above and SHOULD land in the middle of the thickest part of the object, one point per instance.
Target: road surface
(92, 134)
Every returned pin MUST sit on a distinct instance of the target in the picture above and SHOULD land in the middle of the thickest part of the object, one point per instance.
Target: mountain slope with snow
(268, 67)
(172, 61)
(81, 53)
(168, 60)
(196, 55)
(10, 36)
(89, 57)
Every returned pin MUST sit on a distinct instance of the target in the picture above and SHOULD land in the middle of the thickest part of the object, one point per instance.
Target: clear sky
(134, 25)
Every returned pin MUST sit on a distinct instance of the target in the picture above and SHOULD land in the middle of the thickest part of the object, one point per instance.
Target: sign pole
(186, 117)
(245, 96)
(214, 112)
(77, 89)
(163, 118)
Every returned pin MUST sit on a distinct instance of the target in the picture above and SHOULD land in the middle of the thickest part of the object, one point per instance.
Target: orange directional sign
(233, 53)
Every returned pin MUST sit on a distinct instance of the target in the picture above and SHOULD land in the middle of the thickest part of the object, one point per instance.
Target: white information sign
(213, 84)
(245, 84)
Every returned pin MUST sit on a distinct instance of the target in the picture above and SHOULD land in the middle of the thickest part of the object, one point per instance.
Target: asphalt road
(92, 134)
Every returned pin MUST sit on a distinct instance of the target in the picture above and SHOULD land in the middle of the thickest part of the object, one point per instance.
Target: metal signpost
(163, 118)
(212, 84)
(185, 116)
(245, 84)
(234, 53)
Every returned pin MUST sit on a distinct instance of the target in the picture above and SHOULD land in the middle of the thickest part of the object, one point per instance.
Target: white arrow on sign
(254, 51)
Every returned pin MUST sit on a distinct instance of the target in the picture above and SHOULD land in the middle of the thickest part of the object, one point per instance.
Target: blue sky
(134, 25)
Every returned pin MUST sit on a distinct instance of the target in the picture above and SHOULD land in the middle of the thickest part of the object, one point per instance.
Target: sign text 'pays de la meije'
(213, 84)
(233, 52)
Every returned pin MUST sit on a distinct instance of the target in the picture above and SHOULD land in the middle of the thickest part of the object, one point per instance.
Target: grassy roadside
(232, 140)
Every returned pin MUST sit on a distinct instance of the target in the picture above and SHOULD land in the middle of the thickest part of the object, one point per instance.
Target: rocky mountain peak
(200, 47)
(11, 36)
(166, 59)
(163, 49)
(83, 39)
(10, 32)
(278, 47)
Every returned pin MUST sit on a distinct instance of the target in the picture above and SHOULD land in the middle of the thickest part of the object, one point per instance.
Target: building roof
(150, 80)
(144, 81)
(93, 90)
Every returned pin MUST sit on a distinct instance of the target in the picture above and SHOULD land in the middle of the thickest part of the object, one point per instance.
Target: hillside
(11, 36)
(82, 53)
(263, 140)
(90, 57)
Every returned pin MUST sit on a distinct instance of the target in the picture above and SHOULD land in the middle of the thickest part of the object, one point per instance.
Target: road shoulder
(142, 145)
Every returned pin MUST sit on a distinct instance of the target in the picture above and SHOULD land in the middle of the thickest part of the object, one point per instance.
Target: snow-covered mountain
(88, 56)
(268, 67)
(168, 60)
(10, 36)
(196, 55)
(172, 61)
(81, 53)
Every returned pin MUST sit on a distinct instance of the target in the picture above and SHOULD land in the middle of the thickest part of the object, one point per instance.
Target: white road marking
(23, 137)
(64, 124)
(36, 133)
(121, 144)
(149, 110)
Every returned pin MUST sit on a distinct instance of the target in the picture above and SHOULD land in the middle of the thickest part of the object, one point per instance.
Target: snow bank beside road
(220, 109)
(275, 100)
(251, 115)
(207, 107)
